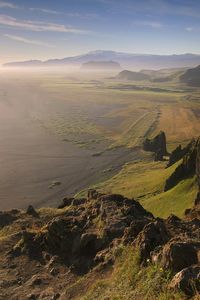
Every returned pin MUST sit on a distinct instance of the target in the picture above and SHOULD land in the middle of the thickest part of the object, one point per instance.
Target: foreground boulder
(187, 280)
(153, 235)
(179, 255)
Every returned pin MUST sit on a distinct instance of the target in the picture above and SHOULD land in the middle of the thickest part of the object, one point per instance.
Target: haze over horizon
(35, 30)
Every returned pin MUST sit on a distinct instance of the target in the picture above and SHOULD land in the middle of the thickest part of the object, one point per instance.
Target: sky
(43, 29)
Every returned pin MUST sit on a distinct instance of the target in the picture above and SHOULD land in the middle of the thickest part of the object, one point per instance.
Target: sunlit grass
(145, 182)
(130, 281)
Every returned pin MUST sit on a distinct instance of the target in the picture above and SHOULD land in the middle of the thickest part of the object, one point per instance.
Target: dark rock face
(31, 211)
(93, 194)
(134, 229)
(179, 153)
(157, 145)
(186, 169)
(175, 156)
(187, 280)
(179, 255)
(67, 201)
(198, 171)
(153, 235)
(28, 244)
(7, 218)
(195, 211)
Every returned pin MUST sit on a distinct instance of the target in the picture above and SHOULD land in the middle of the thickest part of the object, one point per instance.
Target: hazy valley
(71, 143)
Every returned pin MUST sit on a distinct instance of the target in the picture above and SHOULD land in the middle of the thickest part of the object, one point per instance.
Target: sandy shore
(31, 158)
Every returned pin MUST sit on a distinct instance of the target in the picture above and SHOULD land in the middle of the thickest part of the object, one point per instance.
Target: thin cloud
(67, 14)
(46, 11)
(192, 29)
(189, 29)
(39, 26)
(27, 41)
(148, 24)
(4, 4)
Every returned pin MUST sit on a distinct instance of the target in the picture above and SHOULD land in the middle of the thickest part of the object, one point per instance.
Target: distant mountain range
(126, 60)
(101, 65)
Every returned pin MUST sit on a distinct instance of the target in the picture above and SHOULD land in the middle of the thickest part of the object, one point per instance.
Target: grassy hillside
(145, 182)
(173, 201)
(129, 281)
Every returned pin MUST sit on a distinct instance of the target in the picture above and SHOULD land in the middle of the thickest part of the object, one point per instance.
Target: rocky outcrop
(186, 169)
(194, 212)
(87, 229)
(67, 201)
(197, 201)
(88, 235)
(157, 145)
(177, 255)
(8, 217)
(187, 280)
(153, 235)
(31, 211)
(179, 153)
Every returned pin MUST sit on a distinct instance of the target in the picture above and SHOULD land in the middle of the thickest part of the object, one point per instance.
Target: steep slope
(191, 77)
(162, 188)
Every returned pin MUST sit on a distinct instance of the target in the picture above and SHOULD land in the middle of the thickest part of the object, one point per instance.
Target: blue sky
(48, 29)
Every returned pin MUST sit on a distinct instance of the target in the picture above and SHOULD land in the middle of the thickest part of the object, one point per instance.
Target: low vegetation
(145, 181)
(129, 281)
